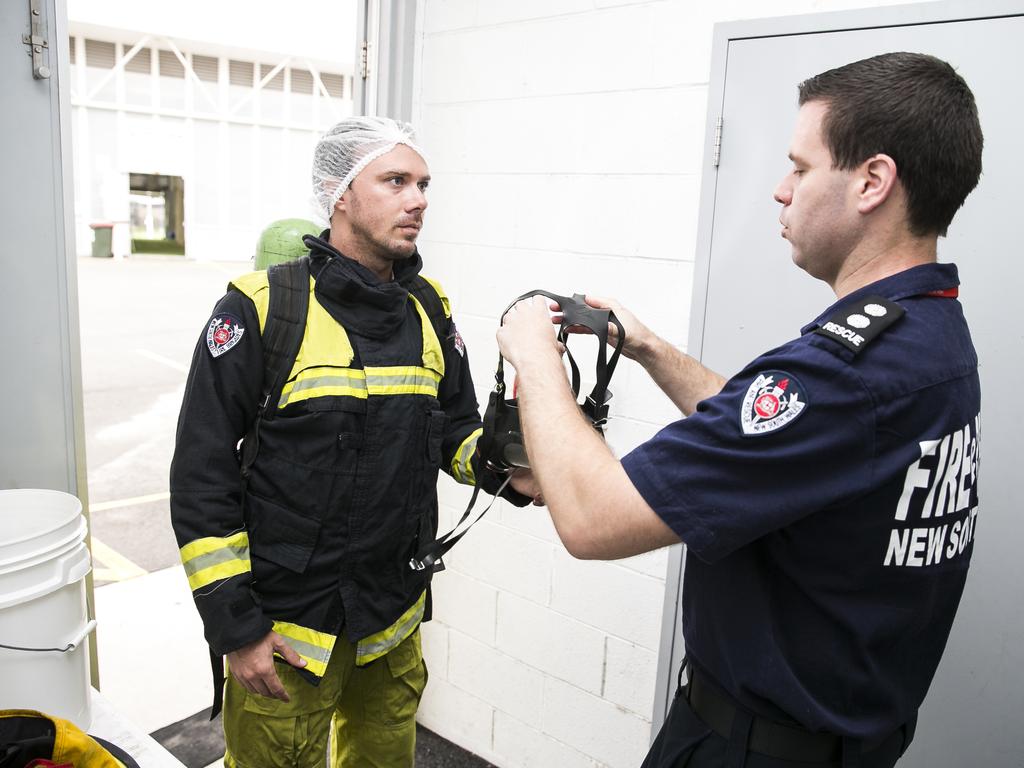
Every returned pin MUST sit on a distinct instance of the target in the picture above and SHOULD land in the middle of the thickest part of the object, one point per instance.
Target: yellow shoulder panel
(255, 286)
(440, 292)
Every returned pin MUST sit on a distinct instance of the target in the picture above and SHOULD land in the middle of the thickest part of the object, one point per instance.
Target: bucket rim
(73, 511)
(67, 542)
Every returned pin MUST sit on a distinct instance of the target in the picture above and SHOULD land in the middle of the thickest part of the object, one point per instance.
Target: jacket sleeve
(461, 459)
(219, 406)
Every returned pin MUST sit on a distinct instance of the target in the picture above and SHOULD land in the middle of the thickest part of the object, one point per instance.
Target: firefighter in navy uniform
(307, 562)
(828, 492)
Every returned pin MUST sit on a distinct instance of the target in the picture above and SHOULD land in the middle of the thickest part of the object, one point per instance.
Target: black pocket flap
(437, 425)
(280, 535)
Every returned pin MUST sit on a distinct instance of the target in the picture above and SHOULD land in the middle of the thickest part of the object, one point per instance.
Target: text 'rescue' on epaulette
(856, 324)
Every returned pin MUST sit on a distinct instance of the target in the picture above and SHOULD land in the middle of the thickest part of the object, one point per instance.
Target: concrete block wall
(565, 141)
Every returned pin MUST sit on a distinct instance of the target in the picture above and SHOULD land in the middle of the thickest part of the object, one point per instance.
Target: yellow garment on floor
(371, 711)
(71, 746)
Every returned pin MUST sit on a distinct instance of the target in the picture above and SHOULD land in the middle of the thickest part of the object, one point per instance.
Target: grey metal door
(749, 296)
(41, 442)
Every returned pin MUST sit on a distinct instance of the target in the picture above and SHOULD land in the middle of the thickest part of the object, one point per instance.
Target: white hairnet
(349, 147)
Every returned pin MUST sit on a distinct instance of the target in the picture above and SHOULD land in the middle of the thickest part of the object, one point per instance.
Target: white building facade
(189, 106)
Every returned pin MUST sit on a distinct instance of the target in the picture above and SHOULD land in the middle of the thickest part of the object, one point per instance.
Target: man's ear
(876, 181)
(342, 203)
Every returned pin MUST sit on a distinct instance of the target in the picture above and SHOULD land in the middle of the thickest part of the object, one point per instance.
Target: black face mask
(501, 445)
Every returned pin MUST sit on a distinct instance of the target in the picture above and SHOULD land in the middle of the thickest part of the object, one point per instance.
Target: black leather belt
(770, 738)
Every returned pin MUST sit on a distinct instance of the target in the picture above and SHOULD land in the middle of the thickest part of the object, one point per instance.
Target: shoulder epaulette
(857, 324)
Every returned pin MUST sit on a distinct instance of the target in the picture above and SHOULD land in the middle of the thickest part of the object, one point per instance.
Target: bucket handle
(85, 632)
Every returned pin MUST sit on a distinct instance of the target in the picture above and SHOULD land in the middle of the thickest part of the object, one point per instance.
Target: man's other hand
(253, 665)
(524, 482)
(638, 336)
(525, 333)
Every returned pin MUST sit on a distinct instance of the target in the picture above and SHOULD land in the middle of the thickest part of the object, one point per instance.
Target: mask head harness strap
(501, 444)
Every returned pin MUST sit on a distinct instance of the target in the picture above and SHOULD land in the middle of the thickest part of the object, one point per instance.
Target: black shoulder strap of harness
(428, 297)
(501, 444)
(282, 336)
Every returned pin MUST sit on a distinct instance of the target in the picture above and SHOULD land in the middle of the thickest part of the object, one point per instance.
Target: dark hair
(914, 108)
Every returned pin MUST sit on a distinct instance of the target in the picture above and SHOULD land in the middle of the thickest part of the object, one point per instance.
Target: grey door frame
(717, 137)
(40, 271)
(385, 57)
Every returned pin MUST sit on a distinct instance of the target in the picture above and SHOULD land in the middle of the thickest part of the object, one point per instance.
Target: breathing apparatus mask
(501, 446)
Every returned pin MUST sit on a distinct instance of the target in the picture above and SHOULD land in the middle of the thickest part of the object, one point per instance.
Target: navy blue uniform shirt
(828, 499)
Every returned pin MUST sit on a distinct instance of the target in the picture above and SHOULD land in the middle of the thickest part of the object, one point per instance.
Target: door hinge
(364, 60)
(36, 40)
(716, 152)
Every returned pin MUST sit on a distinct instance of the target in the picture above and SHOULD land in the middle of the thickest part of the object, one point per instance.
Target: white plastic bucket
(44, 626)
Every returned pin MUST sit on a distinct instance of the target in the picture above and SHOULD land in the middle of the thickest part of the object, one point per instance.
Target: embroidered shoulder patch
(223, 333)
(856, 324)
(773, 401)
(460, 345)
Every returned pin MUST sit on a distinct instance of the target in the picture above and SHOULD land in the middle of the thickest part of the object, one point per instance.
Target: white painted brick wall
(595, 726)
(565, 140)
(615, 600)
(466, 605)
(629, 677)
(507, 684)
(561, 647)
(516, 743)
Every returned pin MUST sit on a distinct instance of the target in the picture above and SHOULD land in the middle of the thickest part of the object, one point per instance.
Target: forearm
(596, 510)
(681, 377)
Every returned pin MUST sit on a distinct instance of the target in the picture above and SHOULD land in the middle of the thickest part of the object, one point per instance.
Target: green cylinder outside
(282, 241)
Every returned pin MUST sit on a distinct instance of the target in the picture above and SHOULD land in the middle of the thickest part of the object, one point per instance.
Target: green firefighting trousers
(372, 708)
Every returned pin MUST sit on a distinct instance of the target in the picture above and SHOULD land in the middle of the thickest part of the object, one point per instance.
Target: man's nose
(417, 200)
(783, 193)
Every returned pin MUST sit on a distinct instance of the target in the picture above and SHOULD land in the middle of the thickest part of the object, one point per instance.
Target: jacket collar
(916, 281)
(355, 296)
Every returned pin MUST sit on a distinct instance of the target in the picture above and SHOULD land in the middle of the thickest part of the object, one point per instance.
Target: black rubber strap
(217, 668)
(283, 330)
(286, 323)
(429, 556)
(576, 313)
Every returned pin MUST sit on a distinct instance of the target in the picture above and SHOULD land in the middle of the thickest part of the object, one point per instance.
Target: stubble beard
(383, 247)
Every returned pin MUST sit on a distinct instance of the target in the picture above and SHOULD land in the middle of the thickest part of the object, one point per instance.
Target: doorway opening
(157, 213)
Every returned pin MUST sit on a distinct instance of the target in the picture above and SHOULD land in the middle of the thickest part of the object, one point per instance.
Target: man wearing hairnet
(301, 571)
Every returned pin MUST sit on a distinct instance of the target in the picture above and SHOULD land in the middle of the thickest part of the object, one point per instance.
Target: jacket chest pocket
(437, 425)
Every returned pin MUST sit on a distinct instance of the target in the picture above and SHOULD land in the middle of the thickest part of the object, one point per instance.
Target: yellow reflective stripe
(212, 543)
(353, 382)
(377, 645)
(315, 647)
(433, 355)
(207, 576)
(214, 558)
(462, 461)
(324, 382)
(402, 380)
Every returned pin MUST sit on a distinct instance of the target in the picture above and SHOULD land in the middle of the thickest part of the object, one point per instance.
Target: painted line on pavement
(163, 360)
(129, 502)
(117, 566)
